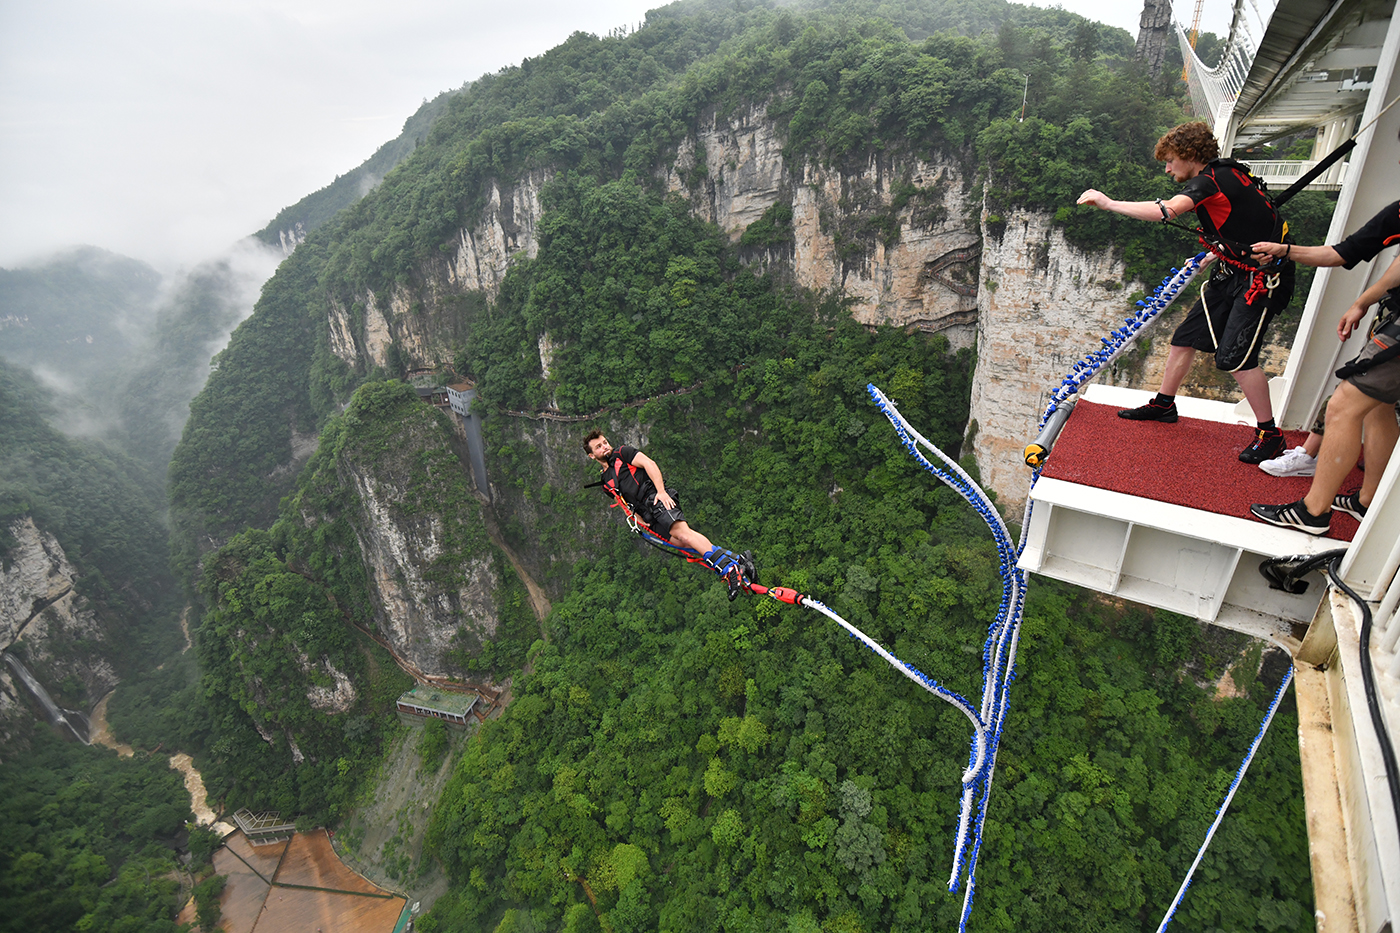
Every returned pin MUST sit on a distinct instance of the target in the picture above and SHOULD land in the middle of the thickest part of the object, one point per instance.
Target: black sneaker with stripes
(1293, 515)
(1349, 503)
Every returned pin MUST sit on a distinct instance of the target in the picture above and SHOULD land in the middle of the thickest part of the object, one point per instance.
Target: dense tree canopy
(672, 760)
(85, 839)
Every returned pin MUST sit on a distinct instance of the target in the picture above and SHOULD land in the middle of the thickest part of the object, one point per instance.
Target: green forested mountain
(105, 510)
(153, 390)
(670, 760)
(84, 839)
(87, 840)
(317, 208)
(120, 349)
(78, 314)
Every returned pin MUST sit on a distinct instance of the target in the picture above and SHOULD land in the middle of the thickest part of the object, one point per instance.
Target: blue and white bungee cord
(998, 651)
(1121, 338)
(1003, 635)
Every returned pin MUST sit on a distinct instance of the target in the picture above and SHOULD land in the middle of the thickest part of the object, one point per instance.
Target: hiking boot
(1293, 515)
(1151, 412)
(1294, 462)
(1350, 504)
(746, 562)
(1268, 444)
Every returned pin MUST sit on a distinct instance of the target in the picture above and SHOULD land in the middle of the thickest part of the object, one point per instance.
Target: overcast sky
(168, 129)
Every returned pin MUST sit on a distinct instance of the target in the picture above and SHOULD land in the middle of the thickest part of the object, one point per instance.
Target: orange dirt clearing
(311, 861)
(343, 902)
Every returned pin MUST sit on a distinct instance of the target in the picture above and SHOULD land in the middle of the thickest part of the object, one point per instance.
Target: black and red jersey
(1232, 208)
(630, 482)
(1375, 235)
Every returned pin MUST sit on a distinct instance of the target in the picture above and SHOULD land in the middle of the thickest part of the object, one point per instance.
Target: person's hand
(663, 499)
(1265, 251)
(1094, 198)
(1349, 320)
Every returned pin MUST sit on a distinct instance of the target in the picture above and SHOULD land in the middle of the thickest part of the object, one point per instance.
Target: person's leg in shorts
(671, 524)
(1352, 410)
(1379, 430)
(1192, 334)
(1240, 337)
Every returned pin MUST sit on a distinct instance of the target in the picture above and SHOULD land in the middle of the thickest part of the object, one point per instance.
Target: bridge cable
(1234, 786)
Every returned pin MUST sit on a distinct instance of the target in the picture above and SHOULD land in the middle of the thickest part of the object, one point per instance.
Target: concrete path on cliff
(538, 601)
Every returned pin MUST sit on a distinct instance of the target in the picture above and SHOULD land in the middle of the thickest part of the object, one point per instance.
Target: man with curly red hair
(1241, 298)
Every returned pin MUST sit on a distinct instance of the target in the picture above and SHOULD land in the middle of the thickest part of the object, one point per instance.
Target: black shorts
(659, 519)
(1220, 321)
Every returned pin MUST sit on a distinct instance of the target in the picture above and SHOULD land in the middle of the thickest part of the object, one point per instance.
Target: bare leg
(1256, 390)
(1179, 360)
(1312, 445)
(1381, 432)
(688, 537)
(1341, 445)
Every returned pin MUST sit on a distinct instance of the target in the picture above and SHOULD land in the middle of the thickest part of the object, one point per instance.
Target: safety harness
(1387, 324)
(724, 560)
(1261, 279)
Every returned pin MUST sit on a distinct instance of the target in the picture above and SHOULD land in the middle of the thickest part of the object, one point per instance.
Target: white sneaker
(1295, 462)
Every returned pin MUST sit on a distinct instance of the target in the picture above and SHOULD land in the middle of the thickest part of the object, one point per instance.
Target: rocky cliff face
(421, 318)
(45, 620)
(420, 617)
(894, 238)
(899, 240)
(1043, 304)
(435, 580)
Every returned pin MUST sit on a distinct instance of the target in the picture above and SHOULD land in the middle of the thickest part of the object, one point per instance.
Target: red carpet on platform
(1191, 463)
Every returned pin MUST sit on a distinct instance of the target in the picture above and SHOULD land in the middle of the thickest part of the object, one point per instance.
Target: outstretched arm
(1307, 255)
(1141, 210)
(654, 471)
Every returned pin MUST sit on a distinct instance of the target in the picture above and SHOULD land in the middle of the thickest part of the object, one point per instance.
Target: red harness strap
(642, 528)
(1258, 283)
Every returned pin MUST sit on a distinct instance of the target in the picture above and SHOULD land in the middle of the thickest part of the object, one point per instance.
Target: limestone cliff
(422, 319)
(421, 616)
(900, 240)
(893, 238)
(48, 623)
(1043, 304)
(434, 578)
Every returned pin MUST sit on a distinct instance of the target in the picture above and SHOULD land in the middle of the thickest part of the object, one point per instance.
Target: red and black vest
(624, 479)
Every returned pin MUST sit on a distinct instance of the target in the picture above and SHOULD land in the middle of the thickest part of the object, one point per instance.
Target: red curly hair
(1194, 142)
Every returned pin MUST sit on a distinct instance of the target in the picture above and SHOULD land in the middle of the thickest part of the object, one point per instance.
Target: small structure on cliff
(422, 702)
(434, 395)
(263, 828)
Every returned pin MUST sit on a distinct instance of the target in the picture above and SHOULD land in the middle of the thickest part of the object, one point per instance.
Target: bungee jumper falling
(635, 482)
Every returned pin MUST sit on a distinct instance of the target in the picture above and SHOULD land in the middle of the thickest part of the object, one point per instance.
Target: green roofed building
(424, 702)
